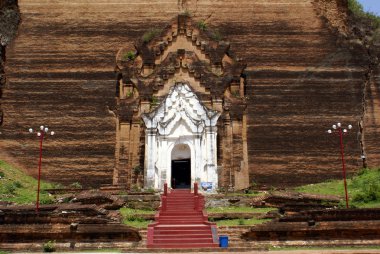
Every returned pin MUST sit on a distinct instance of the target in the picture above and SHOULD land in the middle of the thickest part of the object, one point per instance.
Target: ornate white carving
(180, 119)
(181, 104)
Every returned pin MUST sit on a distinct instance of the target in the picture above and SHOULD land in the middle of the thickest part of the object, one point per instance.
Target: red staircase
(181, 222)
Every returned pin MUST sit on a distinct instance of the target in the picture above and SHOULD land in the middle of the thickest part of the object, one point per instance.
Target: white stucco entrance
(180, 128)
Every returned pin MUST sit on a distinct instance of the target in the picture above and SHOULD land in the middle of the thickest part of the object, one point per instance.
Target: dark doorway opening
(181, 174)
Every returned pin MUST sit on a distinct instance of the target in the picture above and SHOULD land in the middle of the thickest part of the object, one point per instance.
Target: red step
(193, 235)
(183, 246)
(179, 225)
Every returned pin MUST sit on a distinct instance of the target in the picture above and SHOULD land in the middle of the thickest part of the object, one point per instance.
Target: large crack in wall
(9, 21)
(357, 33)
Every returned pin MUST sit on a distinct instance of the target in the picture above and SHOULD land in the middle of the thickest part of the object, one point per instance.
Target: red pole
(195, 189)
(165, 189)
(164, 203)
(343, 165)
(196, 203)
(39, 172)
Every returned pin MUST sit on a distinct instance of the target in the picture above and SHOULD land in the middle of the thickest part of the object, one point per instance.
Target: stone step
(173, 213)
(181, 232)
(179, 225)
(180, 236)
(194, 240)
(180, 222)
(170, 217)
(184, 246)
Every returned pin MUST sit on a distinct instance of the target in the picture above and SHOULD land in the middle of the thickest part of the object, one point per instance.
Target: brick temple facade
(181, 111)
(306, 65)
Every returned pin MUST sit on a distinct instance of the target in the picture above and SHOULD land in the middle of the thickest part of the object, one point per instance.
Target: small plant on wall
(216, 35)
(235, 93)
(129, 56)
(150, 35)
(137, 170)
(49, 246)
(187, 13)
(76, 185)
(202, 25)
(154, 101)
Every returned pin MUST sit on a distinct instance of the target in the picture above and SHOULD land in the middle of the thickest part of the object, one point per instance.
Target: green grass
(252, 194)
(131, 217)
(330, 187)
(363, 188)
(240, 222)
(126, 212)
(238, 209)
(16, 186)
(137, 223)
(358, 11)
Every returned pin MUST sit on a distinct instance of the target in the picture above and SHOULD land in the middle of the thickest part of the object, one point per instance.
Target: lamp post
(40, 134)
(338, 129)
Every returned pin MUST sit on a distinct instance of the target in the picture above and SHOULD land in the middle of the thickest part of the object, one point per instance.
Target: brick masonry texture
(60, 72)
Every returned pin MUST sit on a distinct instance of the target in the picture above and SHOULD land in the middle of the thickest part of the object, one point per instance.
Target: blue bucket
(223, 241)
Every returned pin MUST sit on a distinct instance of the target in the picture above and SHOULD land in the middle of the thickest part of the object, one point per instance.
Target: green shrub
(135, 188)
(150, 190)
(2, 175)
(76, 185)
(10, 188)
(363, 189)
(17, 184)
(357, 9)
(129, 56)
(137, 170)
(369, 187)
(49, 246)
(241, 222)
(376, 36)
(153, 101)
(150, 35)
(216, 35)
(46, 201)
(202, 25)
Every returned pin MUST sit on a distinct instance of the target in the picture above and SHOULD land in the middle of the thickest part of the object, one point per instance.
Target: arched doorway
(181, 167)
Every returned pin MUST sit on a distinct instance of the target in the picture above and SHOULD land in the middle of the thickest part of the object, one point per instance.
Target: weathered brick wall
(300, 81)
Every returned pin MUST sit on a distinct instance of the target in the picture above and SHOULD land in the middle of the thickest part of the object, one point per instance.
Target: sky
(371, 5)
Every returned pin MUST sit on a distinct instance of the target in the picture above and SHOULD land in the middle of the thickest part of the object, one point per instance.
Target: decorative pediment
(183, 52)
(183, 46)
(181, 105)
